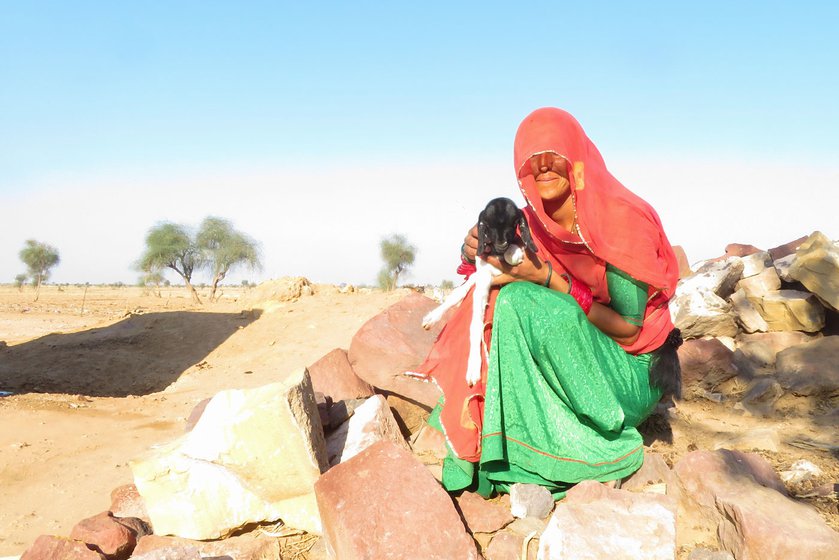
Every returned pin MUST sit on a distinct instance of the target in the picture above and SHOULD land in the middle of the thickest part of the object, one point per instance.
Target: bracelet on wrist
(547, 283)
(567, 279)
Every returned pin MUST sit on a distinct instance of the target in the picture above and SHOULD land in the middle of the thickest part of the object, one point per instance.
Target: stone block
(50, 547)
(253, 456)
(786, 249)
(517, 541)
(370, 423)
(747, 315)
(530, 500)
(816, 266)
(740, 496)
(394, 342)
(482, 515)
(333, 376)
(702, 313)
(761, 283)
(170, 553)
(249, 546)
(791, 310)
(383, 503)
(682, 259)
(810, 369)
(705, 362)
(760, 397)
(755, 263)
(127, 502)
(740, 250)
(594, 521)
(107, 535)
(429, 442)
(655, 470)
(782, 267)
(718, 277)
(762, 348)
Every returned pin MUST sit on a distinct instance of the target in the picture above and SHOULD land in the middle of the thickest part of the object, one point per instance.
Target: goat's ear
(482, 235)
(524, 229)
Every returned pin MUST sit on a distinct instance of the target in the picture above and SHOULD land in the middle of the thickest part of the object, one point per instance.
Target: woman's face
(550, 171)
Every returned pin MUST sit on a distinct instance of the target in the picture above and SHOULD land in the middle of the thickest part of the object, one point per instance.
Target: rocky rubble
(337, 461)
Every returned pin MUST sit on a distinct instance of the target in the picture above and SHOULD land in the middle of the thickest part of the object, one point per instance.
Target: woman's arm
(532, 269)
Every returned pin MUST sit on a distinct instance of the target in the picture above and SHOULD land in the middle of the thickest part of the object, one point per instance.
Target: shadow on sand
(139, 355)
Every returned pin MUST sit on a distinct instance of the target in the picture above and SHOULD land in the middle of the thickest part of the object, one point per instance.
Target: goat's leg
(456, 296)
(476, 327)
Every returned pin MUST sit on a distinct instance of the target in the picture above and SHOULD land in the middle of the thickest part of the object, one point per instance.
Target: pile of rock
(768, 317)
(340, 458)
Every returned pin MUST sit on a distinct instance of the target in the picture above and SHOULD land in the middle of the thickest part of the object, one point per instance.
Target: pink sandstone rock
(383, 503)
(127, 502)
(49, 547)
(481, 515)
(738, 496)
(195, 414)
(740, 250)
(682, 259)
(508, 545)
(250, 546)
(705, 360)
(333, 376)
(654, 471)
(394, 342)
(107, 535)
(787, 248)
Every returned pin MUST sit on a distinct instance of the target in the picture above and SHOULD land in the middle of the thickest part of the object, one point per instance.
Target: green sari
(562, 399)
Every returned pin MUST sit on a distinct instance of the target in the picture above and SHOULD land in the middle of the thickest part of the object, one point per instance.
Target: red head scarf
(614, 225)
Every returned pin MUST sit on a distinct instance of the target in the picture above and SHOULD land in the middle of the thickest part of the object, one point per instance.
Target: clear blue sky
(312, 108)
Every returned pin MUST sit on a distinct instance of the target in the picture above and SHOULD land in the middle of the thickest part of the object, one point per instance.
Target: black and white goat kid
(497, 235)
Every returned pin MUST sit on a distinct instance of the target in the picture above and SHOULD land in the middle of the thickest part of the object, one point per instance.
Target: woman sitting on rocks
(580, 342)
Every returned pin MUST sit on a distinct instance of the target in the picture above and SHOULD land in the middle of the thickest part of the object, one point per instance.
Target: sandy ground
(98, 389)
(100, 377)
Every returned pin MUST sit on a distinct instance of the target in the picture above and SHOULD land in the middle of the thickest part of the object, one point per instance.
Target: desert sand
(98, 378)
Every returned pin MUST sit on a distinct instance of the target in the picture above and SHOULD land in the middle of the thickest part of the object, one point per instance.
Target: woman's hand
(470, 244)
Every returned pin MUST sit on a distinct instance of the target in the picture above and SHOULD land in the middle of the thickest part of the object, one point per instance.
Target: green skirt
(562, 399)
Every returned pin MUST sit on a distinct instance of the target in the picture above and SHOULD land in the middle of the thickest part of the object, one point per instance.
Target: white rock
(253, 456)
(747, 316)
(371, 422)
(701, 313)
(801, 471)
(760, 284)
(755, 263)
(782, 267)
(530, 500)
(615, 525)
(718, 277)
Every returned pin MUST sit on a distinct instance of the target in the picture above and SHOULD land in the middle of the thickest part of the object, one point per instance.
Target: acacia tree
(20, 280)
(39, 258)
(224, 248)
(169, 245)
(398, 255)
(152, 280)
